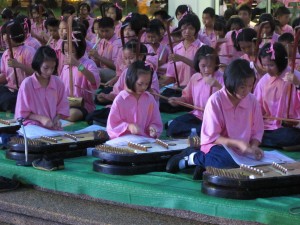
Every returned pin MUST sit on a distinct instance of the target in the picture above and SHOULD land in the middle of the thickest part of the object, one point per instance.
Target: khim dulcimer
(65, 146)
(249, 182)
(136, 158)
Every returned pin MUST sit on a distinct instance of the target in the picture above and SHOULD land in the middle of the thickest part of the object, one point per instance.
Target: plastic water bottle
(193, 133)
(194, 139)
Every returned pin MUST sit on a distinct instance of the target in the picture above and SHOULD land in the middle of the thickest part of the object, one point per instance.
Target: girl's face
(128, 57)
(129, 33)
(207, 20)
(83, 11)
(246, 88)
(47, 69)
(219, 33)
(66, 49)
(152, 38)
(267, 30)
(270, 66)
(53, 31)
(245, 16)
(111, 12)
(284, 19)
(207, 66)
(142, 82)
(107, 32)
(35, 14)
(247, 47)
(188, 32)
(235, 26)
(62, 30)
(178, 16)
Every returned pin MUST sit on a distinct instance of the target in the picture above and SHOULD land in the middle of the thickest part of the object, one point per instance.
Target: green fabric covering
(156, 189)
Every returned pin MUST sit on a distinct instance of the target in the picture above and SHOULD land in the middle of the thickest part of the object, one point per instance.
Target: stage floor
(156, 189)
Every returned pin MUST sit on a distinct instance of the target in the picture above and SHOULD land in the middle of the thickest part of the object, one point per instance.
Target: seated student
(182, 58)
(83, 11)
(29, 40)
(232, 117)
(85, 77)
(42, 99)
(201, 86)
(268, 31)
(135, 111)
(278, 94)
(114, 11)
(38, 30)
(21, 63)
(52, 27)
(287, 39)
(153, 38)
(163, 17)
(220, 31)
(229, 53)
(6, 15)
(208, 19)
(246, 43)
(282, 14)
(106, 52)
(244, 12)
(68, 10)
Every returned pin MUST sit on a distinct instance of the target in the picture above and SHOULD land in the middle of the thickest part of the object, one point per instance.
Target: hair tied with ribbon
(119, 7)
(128, 16)
(271, 50)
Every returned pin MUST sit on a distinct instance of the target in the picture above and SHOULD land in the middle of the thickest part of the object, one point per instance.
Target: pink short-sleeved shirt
(221, 118)
(32, 42)
(197, 91)
(38, 29)
(83, 85)
(23, 54)
(120, 85)
(272, 94)
(128, 109)
(287, 29)
(184, 71)
(118, 29)
(212, 37)
(90, 35)
(228, 51)
(47, 101)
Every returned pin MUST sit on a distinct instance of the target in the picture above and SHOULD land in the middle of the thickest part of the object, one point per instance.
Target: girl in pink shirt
(135, 111)
(282, 14)
(84, 10)
(268, 31)
(42, 99)
(246, 43)
(205, 82)
(232, 117)
(85, 77)
(279, 96)
(38, 29)
(52, 26)
(14, 71)
(114, 11)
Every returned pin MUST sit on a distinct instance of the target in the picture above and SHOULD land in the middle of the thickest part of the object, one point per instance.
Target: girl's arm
(15, 64)
(44, 120)
(176, 58)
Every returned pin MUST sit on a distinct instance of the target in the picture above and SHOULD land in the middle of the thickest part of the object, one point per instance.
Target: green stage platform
(156, 189)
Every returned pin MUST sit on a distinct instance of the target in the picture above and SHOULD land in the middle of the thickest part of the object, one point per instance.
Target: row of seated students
(36, 82)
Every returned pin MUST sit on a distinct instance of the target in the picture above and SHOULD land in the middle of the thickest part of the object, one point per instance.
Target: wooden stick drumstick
(70, 50)
(11, 52)
(171, 48)
(179, 102)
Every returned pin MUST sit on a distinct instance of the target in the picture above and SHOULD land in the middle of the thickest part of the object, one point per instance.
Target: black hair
(288, 37)
(133, 73)
(21, 19)
(144, 20)
(7, 14)
(247, 35)
(267, 17)
(49, 13)
(79, 45)
(296, 23)
(118, 11)
(236, 74)
(106, 22)
(229, 13)
(134, 21)
(132, 45)
(280, 60)
(44, 53)
(282, 10)
(176, 32)
(81, 28)
(163, 14)
(245, 8)
(17, 33)
(210, 11)
(51, 22)
(206, 52)
(220, 25)
(39, 8)
(236, 21)
(70, 9)
(182, 9)
(154, 27)
(190, 19)
(84, 4)
(95, 21)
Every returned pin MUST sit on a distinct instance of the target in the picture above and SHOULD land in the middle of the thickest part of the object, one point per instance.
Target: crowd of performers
(237, 82)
